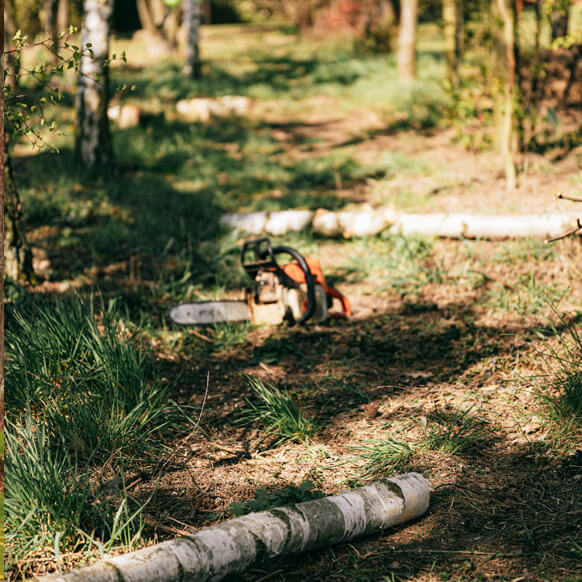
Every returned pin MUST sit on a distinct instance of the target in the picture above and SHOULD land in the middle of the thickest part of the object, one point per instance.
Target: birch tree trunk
(93, 139)
(232, 546)
(406, 58)
(506, 73)
(192, 67)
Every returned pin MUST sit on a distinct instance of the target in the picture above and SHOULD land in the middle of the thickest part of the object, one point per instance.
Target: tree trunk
(406, 57)
(206, 11)
(160, 22)
(93, 139)
(2, 158)
(560, 20)
(506, 72)
(17, 253)
(12, 63)
(453, 33)
(369, 222)
(51, 8)
(230, 547)
(192, 68)
(63, 19)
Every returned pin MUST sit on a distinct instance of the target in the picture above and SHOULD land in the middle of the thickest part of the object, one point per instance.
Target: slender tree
(192, 14)
(453, 33)
(559, 18)
(51, 10)
(93, 138)
(63, 15)
(506, 71)
(160, 21)
(406, 57)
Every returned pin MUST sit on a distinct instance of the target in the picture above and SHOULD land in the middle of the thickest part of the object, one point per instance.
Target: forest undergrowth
(462, 361)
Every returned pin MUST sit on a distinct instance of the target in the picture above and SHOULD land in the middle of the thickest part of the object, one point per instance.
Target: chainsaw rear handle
(265, 257)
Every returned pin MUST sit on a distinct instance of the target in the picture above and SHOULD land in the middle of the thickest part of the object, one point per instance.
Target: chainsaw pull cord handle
(309, 278)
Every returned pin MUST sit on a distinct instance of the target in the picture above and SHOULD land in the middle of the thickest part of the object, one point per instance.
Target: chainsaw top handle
(265, 258)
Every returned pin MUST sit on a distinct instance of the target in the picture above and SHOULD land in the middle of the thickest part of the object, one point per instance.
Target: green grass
(83, 371)
(82, 400)
(529, 297)
(455, 430)
(561, 393)
(53, 501)
(381, 457)
(396, 263)
(277, 414)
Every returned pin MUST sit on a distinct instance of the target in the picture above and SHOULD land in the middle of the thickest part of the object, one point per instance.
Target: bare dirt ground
(508, 508)
(479, 335)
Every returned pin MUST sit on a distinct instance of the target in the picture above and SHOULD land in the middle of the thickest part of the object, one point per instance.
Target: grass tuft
(84, 373)
(562, 397)
(82, 400)
(276, 411)
(382, 456)
(455, 431)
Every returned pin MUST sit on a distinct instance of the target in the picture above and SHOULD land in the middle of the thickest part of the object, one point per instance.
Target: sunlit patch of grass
(455, 430)
(380, 457)
(274, 410)
(397, 263)
(529, 296)
(521, 250)
(52, 501)
(228, 335)
(83, 371)
(81, 398)
(560, 394)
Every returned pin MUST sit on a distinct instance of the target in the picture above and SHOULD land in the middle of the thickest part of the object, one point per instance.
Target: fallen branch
(566, 234)
(233, 545)
(366, 221)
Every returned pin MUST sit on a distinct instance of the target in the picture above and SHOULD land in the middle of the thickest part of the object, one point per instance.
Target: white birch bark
(368, 222)
(232, 546)
(486, 226)
(93, 140)
(192, 48)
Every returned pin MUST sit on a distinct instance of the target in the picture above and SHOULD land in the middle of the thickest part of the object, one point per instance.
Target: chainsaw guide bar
(209, 312)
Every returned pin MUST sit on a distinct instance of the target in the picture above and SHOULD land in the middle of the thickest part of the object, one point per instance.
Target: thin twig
(567, 233)
(201, 336)
(493, 278)
(561, 196)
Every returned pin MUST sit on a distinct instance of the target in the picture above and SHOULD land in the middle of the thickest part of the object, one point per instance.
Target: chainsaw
(295, 292)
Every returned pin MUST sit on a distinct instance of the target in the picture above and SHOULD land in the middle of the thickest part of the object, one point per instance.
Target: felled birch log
(366, 221)
(232, 546)
(487, 226)
(288, 221)
(203, 108)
